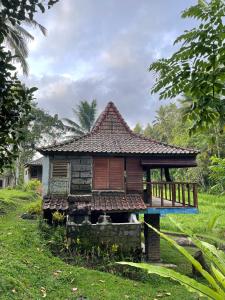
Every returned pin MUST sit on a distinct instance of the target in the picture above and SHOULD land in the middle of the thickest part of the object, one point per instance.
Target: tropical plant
(86, 114)
(138, 129)
(197, 69)
(215, 287)
(15, 98)
(17, 38)
(217, 174)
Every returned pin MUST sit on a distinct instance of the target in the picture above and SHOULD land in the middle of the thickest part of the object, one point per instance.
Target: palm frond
(17, 44)
(24, 33)
(35, 24)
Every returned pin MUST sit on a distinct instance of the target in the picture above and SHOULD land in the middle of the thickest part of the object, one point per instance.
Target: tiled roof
(105, 202)
(111, 134)
(36, 162)
(57, 203)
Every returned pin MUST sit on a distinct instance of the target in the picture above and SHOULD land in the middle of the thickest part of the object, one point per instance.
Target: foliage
(197, 69)
(15, 108)
(168, 126)
(16, 39)
(138, 128)
(9, 199)
(58, 217)
(215, 288)
(217, 174)
(210, 206)
(29, 267)
(29, 264)
(35, 208)
(42, 128)
(86, 114)
(33, 185)
(17, 11)
(15, 99)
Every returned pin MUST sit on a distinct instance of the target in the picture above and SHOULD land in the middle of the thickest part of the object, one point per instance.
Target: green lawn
(29, 271)
(209, 207)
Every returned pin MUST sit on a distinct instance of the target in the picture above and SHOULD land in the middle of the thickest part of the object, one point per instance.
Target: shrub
(35, 208)
(33, 185)
(58, 218)
(217, 174)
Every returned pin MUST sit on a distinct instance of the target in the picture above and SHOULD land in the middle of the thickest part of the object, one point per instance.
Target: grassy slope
(26, 267)
(209, 206)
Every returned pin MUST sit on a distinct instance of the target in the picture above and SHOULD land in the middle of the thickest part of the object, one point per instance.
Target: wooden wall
(134, 174)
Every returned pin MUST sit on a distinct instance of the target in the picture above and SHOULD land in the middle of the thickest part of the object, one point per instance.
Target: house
(33, 170)
(103, 180)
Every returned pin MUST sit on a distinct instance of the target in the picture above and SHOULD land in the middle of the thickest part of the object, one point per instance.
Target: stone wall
(126, 235)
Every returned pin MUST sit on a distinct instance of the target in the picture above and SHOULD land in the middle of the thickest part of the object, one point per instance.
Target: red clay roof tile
(111, 134)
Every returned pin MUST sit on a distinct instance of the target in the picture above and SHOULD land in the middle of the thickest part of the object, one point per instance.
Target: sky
(102, 49)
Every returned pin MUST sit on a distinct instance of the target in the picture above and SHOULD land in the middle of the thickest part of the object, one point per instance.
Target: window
(108, 173)
(60, 168)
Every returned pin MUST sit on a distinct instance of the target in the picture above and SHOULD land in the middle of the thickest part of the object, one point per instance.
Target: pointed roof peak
(111, 121)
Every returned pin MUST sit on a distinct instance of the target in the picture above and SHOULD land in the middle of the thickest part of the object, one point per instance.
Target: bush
(33, 185)
(35, 208)
(217, 175)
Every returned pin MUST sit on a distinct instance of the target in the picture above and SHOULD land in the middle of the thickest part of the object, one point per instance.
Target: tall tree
(197, 69)
(15, 99)
(138, 128)
(86, 115)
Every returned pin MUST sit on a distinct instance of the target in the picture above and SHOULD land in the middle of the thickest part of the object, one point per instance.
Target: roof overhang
(169, 162)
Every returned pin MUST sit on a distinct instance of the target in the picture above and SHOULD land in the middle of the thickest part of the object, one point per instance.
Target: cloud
(102, 49)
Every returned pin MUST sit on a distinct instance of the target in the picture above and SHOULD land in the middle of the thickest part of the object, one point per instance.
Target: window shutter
(134, 174)
(116, 173)
(60, 168)
(101, 173)
(108, 173)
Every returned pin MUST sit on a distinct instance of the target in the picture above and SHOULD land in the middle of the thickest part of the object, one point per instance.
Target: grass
(28, 270)
(9, 199)
(205, 223)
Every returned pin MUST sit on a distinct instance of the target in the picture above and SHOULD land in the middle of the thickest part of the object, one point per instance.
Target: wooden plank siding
(100, 173)
(134, 175)
(116, 173)
(108, 173)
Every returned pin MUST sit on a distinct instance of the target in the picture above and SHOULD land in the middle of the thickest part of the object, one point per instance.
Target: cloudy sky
(101, 49)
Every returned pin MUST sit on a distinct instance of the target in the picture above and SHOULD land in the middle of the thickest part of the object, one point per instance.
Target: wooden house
(108, 171)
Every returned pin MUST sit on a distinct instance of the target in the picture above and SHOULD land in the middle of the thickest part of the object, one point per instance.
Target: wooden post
(195, 195)
(148, 191)
(167, 175)
(189, 196)
(152, 239)
(183, 194)
(161, 194)
(173, 194)
(178, 185)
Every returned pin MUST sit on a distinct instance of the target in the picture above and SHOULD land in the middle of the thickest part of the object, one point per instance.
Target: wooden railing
(178, 193)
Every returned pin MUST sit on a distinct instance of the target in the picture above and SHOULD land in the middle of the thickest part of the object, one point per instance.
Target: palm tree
(17, 38)
(86, 115)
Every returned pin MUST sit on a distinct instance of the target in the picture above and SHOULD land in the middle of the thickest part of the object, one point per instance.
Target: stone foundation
(126, 235)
